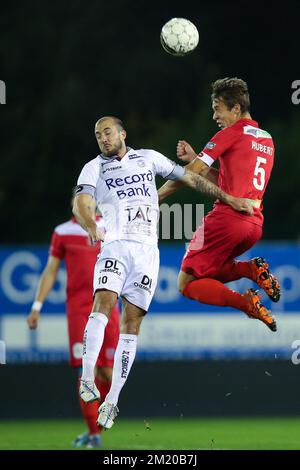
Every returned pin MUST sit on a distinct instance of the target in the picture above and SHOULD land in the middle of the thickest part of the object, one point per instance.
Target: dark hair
(116, 120)
(232, 91)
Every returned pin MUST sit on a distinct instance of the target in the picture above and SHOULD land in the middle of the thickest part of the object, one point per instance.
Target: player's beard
(112, 151)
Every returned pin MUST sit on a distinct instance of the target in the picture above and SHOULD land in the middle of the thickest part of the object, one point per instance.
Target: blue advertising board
(170, 327)
(20, 268)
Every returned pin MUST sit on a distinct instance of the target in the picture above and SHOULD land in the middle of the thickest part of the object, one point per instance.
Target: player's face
(224, 116)
(110, 138)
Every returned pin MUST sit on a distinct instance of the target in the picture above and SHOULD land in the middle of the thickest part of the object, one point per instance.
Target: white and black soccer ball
(179, 36)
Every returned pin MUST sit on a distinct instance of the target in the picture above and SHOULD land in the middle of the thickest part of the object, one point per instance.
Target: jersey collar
(115, 157)
(244, 122)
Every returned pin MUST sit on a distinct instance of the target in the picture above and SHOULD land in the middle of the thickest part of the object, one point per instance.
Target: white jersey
(126, 193)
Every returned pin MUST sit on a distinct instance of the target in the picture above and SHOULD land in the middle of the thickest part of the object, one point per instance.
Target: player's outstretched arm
(202, 184)
(45, 285)
(196, 166)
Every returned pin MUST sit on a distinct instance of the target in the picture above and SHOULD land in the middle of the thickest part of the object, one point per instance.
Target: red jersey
(71, 243)
(246, 157)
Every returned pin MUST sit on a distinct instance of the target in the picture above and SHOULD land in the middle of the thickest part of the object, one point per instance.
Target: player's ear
(123, 134)
(236, 108)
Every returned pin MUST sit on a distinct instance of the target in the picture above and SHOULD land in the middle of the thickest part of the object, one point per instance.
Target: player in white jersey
(122, 181)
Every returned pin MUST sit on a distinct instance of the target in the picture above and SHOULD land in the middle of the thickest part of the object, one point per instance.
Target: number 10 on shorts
(102, 279)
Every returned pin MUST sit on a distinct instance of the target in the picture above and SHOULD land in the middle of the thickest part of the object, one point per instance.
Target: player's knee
(181, 283)
(181, 287)
(131, 325)
(104, 302)
(183, 280)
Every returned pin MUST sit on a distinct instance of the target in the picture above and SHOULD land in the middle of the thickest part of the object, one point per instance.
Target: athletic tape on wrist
(37, 305)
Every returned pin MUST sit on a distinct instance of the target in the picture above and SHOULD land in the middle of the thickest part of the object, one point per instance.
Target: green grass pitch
(160, 434)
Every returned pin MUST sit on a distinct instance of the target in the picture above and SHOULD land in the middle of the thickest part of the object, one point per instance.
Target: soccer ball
(179, 36)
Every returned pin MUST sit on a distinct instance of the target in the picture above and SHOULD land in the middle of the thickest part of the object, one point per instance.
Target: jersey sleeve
(165, 167)
(220, 143)
(87, 181)
(57, 247)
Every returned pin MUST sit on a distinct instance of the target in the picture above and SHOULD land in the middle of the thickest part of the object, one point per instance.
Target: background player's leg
(103, 378)
(90, 414)
(94, 332)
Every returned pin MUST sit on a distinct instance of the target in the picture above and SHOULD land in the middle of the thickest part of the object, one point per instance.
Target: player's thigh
(252, 234)
(109, 276)
(222, 235)
(141, 281)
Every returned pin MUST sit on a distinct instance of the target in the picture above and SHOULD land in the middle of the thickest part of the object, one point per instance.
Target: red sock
(234, 270)
(212, 292)
(103, 387)
(90, 414)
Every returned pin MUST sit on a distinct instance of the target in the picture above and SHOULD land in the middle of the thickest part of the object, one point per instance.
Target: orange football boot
(265, 279)
(258, 311)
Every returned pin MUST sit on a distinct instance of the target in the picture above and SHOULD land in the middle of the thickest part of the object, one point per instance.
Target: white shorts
(130, 269)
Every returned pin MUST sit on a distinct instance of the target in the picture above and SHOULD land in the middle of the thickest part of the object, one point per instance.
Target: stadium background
(67, 64)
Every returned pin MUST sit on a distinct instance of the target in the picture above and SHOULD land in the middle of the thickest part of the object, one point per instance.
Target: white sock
(123, 360)
(92, 343)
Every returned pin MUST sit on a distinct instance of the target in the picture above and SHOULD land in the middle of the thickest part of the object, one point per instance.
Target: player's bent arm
(84, 209)
(196, 166)
(45, 285)
(202, 184)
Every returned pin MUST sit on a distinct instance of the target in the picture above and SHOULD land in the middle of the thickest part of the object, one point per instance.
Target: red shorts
(224, 237)
(76, 325)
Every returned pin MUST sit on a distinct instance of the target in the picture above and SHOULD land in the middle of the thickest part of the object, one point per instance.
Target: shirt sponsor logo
(250, 130)
(130, 179)
(140, 213)
(113, 183)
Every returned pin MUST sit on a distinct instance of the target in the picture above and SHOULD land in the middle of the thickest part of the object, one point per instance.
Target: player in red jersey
(246, 155)
(71, 243)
